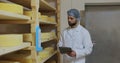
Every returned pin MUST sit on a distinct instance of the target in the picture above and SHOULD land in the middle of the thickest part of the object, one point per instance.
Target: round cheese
(8, 40)
(10, 7)
(29, 13)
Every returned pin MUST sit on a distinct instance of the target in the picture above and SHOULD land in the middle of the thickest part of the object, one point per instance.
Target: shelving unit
(47, 9)
(35, 6)
(12, 18)
(46, 22)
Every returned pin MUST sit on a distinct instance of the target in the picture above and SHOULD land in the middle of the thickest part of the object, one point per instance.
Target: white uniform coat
(79, 40)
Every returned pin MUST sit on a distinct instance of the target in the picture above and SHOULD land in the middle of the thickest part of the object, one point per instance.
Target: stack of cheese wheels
(29, 13)
(10, 7)
(6, 61)
(7, 40)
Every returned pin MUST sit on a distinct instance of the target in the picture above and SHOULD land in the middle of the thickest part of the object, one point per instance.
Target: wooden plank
(45, 22)
(58, 18)
(34, 6)
(6, 50)
(44, 6)
(43, 61)
(58, 28)
(4, 15)
(34, 54)
(44, 41)
(15, 22)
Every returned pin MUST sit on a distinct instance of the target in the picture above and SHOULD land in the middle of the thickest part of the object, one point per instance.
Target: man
(77, 38)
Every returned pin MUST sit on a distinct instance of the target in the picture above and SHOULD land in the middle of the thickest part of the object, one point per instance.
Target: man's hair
(75, 13)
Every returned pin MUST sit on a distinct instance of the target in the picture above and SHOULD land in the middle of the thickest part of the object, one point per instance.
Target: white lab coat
(79, 40)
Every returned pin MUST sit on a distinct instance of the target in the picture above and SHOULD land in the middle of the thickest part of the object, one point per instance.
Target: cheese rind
(8, 40)
(29, 13)
(14, 8)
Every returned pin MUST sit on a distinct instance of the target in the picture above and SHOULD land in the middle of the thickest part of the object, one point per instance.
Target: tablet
(64, 50)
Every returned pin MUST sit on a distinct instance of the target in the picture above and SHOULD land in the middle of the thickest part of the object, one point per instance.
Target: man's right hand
(71, 54)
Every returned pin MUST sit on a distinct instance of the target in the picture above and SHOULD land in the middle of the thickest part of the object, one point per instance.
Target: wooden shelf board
(45, 22)
(12, 16)
(43, 41)
(25, 3)
(43, 61)
(45, 6)
(6, 50)
(15, 22)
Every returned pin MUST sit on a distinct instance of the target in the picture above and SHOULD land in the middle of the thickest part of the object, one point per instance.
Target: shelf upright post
(35, 22)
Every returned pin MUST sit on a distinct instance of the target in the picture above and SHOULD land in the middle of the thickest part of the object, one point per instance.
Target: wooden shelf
(15, 22)
(45, 22)
(44, 6)
(43, 61)
(12, 16)
(43, 41)
(6, 50)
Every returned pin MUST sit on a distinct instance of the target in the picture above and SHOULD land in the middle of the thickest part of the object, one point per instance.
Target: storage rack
(35, 6)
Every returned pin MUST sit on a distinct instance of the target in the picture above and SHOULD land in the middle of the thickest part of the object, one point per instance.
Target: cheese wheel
(50, 49)
(10, 7)
(47, 36)
(51, 19)
(43, 55)
(29, 13)
(27, 37)
(53, 35)
(39, 16)
(44, 17)
(8, 40)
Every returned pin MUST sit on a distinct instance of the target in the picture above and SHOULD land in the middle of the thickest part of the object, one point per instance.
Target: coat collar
(77, 29)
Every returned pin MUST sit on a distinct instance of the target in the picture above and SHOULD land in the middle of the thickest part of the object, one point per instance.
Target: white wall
(65, 5)
(80, 5)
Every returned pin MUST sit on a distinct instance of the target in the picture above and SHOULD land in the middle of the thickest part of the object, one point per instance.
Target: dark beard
(72, 24)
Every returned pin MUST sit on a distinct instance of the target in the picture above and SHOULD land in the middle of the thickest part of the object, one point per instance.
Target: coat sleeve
(60, 43)
(87, 46)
